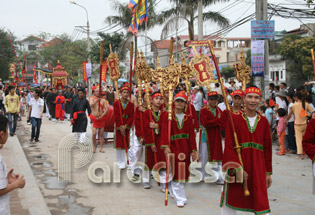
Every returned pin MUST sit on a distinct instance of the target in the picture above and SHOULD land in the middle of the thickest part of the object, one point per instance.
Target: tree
(6, 53)
(70, 53)
(228, 72)
(115, 40)
(185, 12)
(298, 53)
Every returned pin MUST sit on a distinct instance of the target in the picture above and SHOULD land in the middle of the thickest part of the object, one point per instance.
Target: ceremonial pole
(171, 80)
(131, 61)
(313, 59)
(147, 74)
(113, 64)
(101, 70)
(237, 146)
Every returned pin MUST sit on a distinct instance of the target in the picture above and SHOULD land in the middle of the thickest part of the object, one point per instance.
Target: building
(31, 43)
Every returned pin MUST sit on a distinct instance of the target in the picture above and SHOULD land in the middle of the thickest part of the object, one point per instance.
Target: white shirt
(4, 199)
(36, 107)
(198, 102)
(180, 117)
(252, 120)
(292, 115)
(222, 106)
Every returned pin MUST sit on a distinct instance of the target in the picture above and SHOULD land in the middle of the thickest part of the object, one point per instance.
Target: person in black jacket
(51, 97)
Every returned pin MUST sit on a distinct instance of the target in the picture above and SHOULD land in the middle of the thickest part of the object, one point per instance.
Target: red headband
(125, 88)
(156, 95)
(212, 93)
(253, 90)
(237, 93)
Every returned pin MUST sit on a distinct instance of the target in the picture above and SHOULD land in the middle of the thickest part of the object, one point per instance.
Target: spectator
(283, 86)
(281, 130)
(290, 125)
(299, 109)
(35, 114)
(2, 96)
(8, 180)
(12, 107)
(23, 103)
(198, 102)
(309, 100)
(272, 94)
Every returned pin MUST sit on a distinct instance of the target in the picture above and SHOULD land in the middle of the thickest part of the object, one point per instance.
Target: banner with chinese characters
(258, 59)
(84, 70)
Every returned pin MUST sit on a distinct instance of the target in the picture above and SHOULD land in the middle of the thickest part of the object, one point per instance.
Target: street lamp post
(88, 41)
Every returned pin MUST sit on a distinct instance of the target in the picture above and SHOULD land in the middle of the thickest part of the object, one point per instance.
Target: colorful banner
(263, 29)
(202, 47)
(258, 59)
(34, 74)
(84, 70)
(88, 70)
(104, 70)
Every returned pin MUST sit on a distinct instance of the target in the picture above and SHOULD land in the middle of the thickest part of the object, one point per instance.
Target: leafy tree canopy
(298, 52)
(6, 53)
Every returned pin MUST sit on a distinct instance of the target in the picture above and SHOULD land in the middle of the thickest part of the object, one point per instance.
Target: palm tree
(185, 11)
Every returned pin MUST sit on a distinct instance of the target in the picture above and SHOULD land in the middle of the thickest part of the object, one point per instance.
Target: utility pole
(261, 14)
(200, 20)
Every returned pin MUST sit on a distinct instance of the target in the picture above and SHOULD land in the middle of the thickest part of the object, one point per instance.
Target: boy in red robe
(253, 133)
(308, 143)
(211, 141)
(138, 122)
(152, 123)
(182, 145)
(60, 106)
(124, 113)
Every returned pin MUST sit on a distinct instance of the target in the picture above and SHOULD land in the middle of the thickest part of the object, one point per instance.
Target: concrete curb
(31, 196)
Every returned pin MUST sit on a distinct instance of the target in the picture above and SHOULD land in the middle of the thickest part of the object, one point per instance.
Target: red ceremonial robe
(138, 123)
(309, 140)
(60, 107)
(183, 142)
(257, 159)
(151, 139)
(210, 121)
(127, 111)
(224, 117)
(194, 116)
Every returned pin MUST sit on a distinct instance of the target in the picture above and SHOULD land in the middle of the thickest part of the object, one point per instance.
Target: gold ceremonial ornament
(243, 71)
(187, 73)
(170, 81)
(138, 75)
(146, 74)
(113, 65)
(202, 69)
(157, 75)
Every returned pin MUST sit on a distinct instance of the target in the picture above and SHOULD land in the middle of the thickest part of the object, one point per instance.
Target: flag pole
(237, 146)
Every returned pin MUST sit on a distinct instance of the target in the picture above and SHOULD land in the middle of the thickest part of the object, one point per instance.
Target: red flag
(84, 70)
(104, 70)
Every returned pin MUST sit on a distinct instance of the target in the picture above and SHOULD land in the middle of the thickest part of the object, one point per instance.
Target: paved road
(289, 194)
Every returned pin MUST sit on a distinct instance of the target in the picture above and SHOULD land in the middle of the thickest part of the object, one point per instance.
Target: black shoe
(32, 139)
(36, 140)
(11, 134)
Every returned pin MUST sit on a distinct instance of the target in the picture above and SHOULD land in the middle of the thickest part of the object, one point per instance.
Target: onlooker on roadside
(290, 125)
(35, 114)
(198, 102)
(283, 86)
(12, 107)
(299, 109)
(281, 130)
(309, 100)
(8, 180)
(22, 103)
(2, 96)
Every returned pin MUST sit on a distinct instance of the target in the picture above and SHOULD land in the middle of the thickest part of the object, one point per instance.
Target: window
(31, 47)
(281, 75)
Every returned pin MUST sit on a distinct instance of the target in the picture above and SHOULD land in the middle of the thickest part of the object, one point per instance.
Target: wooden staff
(237, 146)
(170, 100)
(115, 79)
(131, 59)
(101, 68)
(313, 59)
